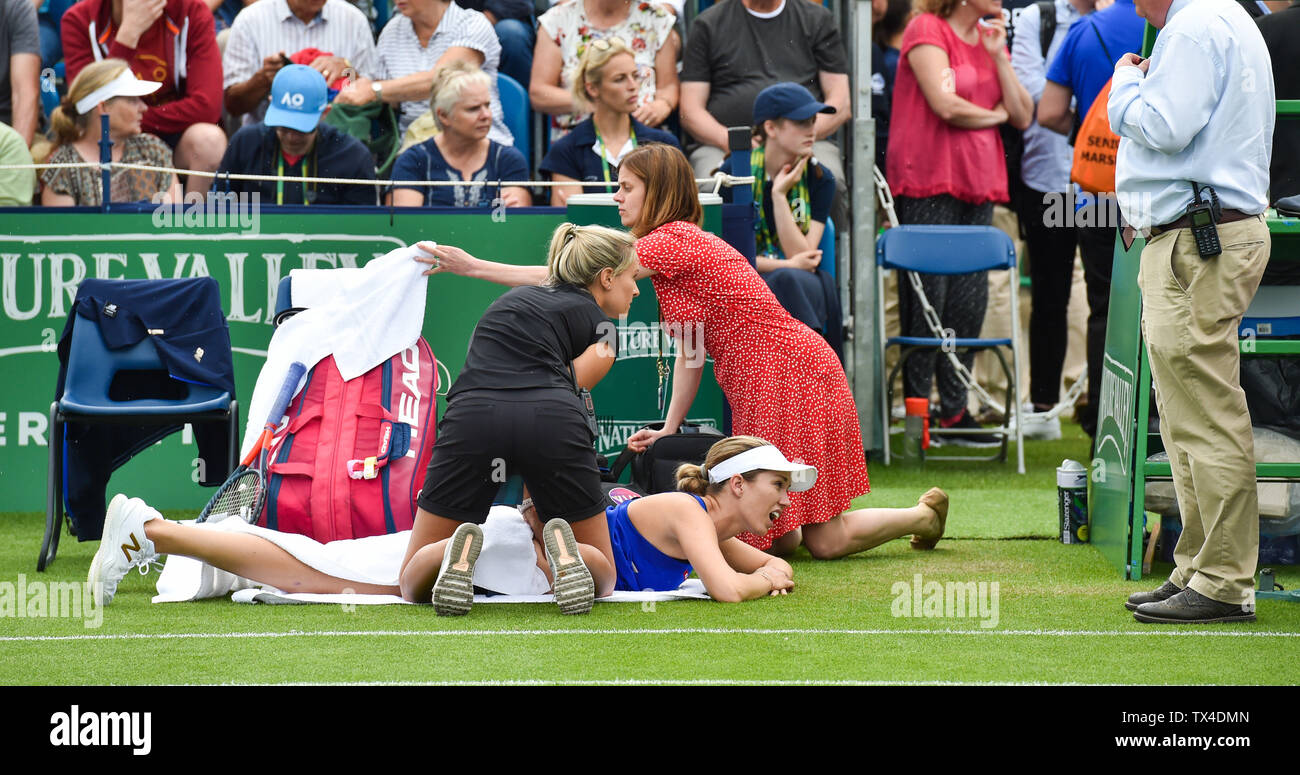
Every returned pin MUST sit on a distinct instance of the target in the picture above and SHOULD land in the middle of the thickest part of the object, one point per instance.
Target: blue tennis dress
(639, 564)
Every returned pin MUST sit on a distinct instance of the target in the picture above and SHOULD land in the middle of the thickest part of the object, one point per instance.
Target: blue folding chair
(827, 247)
(518, 114)
(90, 397)
(946, 250)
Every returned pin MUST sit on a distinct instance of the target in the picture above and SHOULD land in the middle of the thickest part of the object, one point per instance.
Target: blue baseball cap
(787, 100)
(298, 98)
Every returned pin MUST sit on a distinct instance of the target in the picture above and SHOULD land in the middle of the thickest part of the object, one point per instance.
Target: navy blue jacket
(255, 150)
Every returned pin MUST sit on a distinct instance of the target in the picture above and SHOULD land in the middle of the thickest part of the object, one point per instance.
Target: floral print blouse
(645, 30)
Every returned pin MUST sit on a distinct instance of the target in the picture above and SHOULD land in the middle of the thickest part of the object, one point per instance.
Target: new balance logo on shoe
(134, 546)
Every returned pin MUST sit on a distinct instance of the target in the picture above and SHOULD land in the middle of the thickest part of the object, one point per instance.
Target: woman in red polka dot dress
(782, 380)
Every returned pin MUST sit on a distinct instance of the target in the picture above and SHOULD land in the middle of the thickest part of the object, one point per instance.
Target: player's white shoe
(123, 547)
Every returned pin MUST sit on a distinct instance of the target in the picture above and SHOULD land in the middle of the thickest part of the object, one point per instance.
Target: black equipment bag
(655, 469)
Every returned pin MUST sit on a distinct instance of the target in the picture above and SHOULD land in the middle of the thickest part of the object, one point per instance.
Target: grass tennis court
(1058, 618)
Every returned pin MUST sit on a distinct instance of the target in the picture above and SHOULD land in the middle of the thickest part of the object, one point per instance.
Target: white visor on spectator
(764, 458)
(124, 85)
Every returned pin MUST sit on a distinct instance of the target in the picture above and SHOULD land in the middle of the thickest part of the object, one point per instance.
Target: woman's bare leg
(252, 557)
(786, 544)
(861, 529)
(429, 536)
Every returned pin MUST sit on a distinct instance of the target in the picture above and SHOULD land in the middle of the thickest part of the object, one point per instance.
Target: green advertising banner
(45, 255)
(1112, 472)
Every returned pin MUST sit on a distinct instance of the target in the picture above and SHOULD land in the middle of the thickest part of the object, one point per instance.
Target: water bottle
(1072, 501)
(916, 428)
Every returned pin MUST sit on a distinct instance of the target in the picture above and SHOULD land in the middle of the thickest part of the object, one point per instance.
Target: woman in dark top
(607, 81)
(461, 151)
(794, 192)
(515, 410)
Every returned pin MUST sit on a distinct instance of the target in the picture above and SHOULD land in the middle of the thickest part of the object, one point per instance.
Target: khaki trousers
(1191, 310)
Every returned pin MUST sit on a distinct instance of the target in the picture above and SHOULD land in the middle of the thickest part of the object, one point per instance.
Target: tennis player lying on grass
(657, 540)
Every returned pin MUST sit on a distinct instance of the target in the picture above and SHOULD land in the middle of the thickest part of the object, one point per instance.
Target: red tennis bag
(351, 460)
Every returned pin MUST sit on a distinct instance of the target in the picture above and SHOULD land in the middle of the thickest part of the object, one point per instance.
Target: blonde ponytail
(578, 254)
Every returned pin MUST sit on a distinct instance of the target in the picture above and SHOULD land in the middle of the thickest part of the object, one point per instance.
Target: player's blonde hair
(578, 254)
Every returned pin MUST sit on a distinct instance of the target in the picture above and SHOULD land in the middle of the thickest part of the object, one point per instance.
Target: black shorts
(486, 436)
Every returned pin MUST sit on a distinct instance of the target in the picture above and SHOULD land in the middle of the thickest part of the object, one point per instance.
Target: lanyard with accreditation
(604, 160)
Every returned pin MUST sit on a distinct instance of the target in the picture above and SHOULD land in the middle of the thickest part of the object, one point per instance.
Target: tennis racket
(244, 492)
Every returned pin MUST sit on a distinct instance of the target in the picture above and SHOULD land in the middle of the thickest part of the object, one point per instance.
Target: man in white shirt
(267, 31)
(1199, 113)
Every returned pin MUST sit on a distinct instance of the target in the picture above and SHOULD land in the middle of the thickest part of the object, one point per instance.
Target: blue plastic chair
(518, 115)
(827, 247)
(952, 250)
(87, 399)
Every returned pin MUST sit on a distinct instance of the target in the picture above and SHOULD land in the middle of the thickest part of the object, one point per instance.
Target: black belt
(1227, 216)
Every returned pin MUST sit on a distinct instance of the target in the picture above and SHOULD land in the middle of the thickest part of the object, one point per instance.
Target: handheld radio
(1203, 215)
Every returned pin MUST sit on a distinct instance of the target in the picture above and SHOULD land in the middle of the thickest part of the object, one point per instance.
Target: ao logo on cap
(292, 100)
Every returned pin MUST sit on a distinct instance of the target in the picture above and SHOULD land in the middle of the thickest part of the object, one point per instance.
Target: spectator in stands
(736, 49)
(16, 186)
(1079, 71)
(888, 19)
(955, 87)
(462, 151)
(50, 17)
(566, 31)
(267, 34)
(1045, 173)
(106, 87)
(606, 80)
(413, 49)
(516, 31)
(1281, 30)
(20, 67)
(796, 193)
(170, 42)
(292, 141)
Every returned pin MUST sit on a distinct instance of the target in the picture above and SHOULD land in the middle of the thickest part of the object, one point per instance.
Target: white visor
(124, 85)
(764, 458)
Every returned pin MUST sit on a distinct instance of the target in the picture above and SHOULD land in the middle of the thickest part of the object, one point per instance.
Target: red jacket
(179, 50)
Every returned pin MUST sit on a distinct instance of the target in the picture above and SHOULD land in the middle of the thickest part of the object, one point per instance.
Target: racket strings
(242, 497)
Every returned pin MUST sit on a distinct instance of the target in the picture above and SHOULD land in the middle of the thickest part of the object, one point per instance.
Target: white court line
(690, 682)
(1170, 633)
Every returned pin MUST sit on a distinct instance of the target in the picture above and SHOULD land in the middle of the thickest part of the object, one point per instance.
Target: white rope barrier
(718, 180)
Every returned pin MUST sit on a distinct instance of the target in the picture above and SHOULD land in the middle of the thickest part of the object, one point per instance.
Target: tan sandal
(936, 499)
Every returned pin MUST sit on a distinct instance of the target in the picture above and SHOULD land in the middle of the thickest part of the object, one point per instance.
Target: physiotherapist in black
(292, 142)
(515, 409)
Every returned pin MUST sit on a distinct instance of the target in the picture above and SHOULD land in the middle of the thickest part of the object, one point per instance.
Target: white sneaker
(575, 589)
(453, 592)
(123, 546)
(1039, 427)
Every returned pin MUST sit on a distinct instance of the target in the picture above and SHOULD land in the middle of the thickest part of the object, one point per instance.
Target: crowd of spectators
(219, 88)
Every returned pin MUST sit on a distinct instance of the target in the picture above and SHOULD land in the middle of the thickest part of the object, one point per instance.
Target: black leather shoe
(1163, 592)
(1191, 607)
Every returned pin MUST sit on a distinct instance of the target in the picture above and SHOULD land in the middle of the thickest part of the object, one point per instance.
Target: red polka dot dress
(783, 382)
